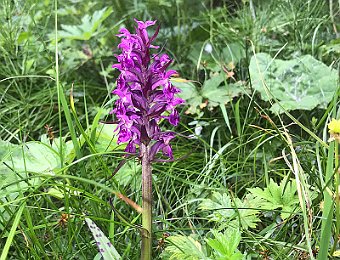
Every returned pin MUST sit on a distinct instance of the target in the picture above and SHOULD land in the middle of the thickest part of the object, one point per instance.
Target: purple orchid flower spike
(146, 95)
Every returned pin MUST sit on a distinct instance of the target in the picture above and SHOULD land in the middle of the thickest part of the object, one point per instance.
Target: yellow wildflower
(334, 126)
(334, 130)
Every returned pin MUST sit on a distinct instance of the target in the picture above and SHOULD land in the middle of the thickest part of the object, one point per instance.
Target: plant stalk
(337, 197)
(147, 203)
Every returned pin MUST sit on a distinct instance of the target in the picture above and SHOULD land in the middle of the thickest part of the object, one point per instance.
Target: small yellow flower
(334, 130)
(334, 126)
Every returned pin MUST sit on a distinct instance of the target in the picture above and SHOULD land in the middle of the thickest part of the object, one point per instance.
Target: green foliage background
(246, 148)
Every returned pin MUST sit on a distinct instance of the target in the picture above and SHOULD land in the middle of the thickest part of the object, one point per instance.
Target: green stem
(327, 214)
(337, 198)
(147, 203)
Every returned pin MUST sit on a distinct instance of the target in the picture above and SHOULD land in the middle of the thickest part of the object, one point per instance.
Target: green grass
(242, 144)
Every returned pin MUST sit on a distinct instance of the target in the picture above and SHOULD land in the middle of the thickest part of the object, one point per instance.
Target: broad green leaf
(105, 247)
(301, 83)
(130, 175)
(218, 93)
(8, 178)
(56, 192)
(220, 204)
(188, 89)
(59, 193)
(190, 94)
(234, 213)
(31, 157)
(106, 138)
(23, 37)
(6, 149)
(225, 244)
(247, 212)
(214, 82)
(213, 91)
(233, 52)
(276, 196)
(34, 157)
(68, 148)
(10, 184)
(88, 28)
(183, 247)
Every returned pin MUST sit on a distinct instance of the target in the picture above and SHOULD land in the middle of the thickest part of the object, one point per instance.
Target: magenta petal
(123, 32)
(169, 73)
(155, 149)
(167, 137)
(157, 109)
(124, 135)
(130, 148)
(144, 25)
(117, 66)
(167, 151)
(174, 118)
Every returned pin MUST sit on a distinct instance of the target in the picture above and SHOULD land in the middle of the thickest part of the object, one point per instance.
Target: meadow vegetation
(255, 174)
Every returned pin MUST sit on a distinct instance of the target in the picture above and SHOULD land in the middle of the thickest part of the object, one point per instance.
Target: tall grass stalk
(304, 196)
(62, 103)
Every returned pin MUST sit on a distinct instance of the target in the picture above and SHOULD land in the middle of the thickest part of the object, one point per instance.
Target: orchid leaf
(105, 247)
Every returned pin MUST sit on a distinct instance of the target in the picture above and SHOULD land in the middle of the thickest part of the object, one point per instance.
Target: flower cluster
(146, 95)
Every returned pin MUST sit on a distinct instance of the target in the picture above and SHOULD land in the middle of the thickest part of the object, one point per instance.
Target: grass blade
(12, 232)
(327, 215)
